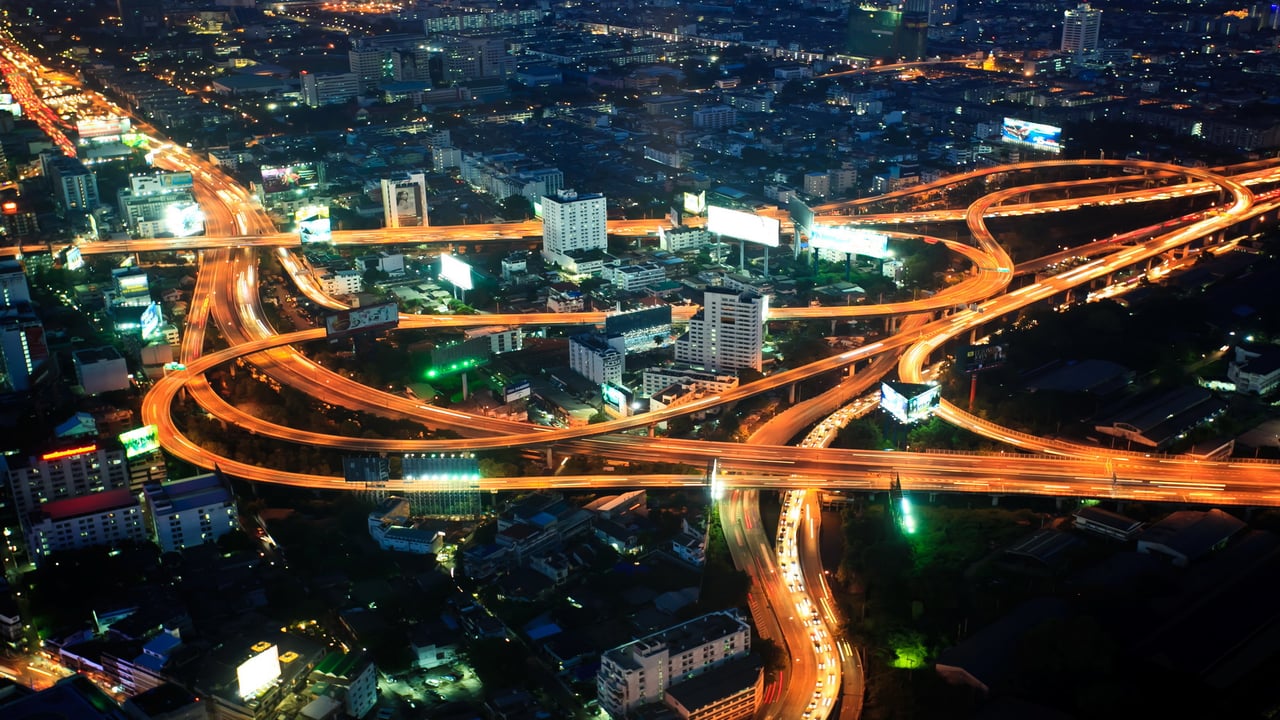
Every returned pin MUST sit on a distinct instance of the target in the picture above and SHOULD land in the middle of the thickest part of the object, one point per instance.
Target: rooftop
(189, 493)
(89, 504)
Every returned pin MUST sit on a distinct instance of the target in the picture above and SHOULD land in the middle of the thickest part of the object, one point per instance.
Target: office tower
(573, 222)
(1080, 28)
(75, 187)
(727, 333)
(642, 671)
(873, 32)
(369, 65)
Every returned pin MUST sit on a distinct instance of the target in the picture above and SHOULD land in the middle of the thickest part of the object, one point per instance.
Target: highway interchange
(791, 582)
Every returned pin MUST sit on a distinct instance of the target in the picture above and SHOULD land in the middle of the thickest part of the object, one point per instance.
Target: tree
(516, 207)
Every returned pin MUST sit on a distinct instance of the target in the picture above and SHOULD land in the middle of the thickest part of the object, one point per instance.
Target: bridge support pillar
(1057, 502)
(995, 500)
(973, 336)
(551, 458)
(791, 393)
(653, 430)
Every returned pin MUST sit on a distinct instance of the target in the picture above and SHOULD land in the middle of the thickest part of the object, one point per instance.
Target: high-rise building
(573, 222)
(75, 187)
(873, 32)
(473, 57)
(404, 201)
(1080, 26)
(727, 333)
(641, 671)
(596, 359)
(369, 64)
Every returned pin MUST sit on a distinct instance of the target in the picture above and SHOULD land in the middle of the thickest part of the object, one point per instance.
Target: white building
(631, 278)
(727, 333)
(66, 473)
(715, 117)
(106, 518)
(404, 201)
(23, 350)
(659, 378)
(190, 512)
(573, 222)
(13, 283)
(595, 359)
(1255, 370)
(342, 282)
(1080, 26)
(641, 671)
(320, 89)
(356, 674)
(100, 370)
(682, 238)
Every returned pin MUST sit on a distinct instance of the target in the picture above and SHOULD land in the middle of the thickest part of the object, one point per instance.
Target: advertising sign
(617, 400)
(313, 224)
(140, 441)
(284, 178)
(374, 317)
(133, 284)
(909, 403)
(75, 260)
(184, 219)
(516, 391)
(743, 225)
(801, 215)
(849, 240)
(151, 321)
(975, 358)
(101, 127)
(455, 271)
(258, 672)
(1041, 137)
(695, 203)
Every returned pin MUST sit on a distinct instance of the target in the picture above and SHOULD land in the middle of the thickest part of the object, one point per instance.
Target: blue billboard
(1036, 135)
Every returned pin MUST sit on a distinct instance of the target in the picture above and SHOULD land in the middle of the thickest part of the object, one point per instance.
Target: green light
(432, 373)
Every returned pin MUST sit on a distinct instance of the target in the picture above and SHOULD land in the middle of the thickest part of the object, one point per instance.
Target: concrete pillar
(791, 393)
(995, 500)
(551, 458)
(653, 429)
(1058, 502)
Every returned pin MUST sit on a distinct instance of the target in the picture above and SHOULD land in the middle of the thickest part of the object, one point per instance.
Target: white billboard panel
(455, 271)
(365, 318)
(1037, 135)
(743, 225)
(184, 219)
(695, 203)
(850, 240)
(259, 672)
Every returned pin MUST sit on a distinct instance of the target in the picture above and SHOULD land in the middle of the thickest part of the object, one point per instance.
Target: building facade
(727, 333)
(106, 518)
(571, 222)
(190, 512)
(1080, 27)
(596, 359)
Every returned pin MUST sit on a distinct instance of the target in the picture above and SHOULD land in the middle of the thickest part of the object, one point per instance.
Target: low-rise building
(190, 512)
(596, 359)
(658, 379)
(1255, 370)
(100, 370)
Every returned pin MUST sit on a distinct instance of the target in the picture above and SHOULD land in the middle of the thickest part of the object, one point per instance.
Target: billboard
(259, 672)
(183, 219)
(75, 260)
(133, 285)
(516, 391)
(374, 317)
(618, 401)
(312, 222)
(1022, 132)
(801, 215)
(909, 403)
(455, 271)
(283, 178)
(102, 127)
(975, 358)
(695, 203)
(140, 441)
(9, 105)
(151, 321)
(743, 225)
(850, 240)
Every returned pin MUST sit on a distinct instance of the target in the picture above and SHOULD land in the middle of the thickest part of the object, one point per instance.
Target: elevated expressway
(739, 467)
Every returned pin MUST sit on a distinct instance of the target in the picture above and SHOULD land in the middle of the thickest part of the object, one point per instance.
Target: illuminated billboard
(183, 219)
(132, 285)
(743, 225)
(259, 672)
(909, 403)
(312, 222)
(75, 260)
(404, 201)
(850, 240)
(140, 441)
(618, 401)
(151, 321)
(284, 178)
(1041, 137)
(102, 127)
(695, 203)
(516, 391)
(374, 317)
(455, 271)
